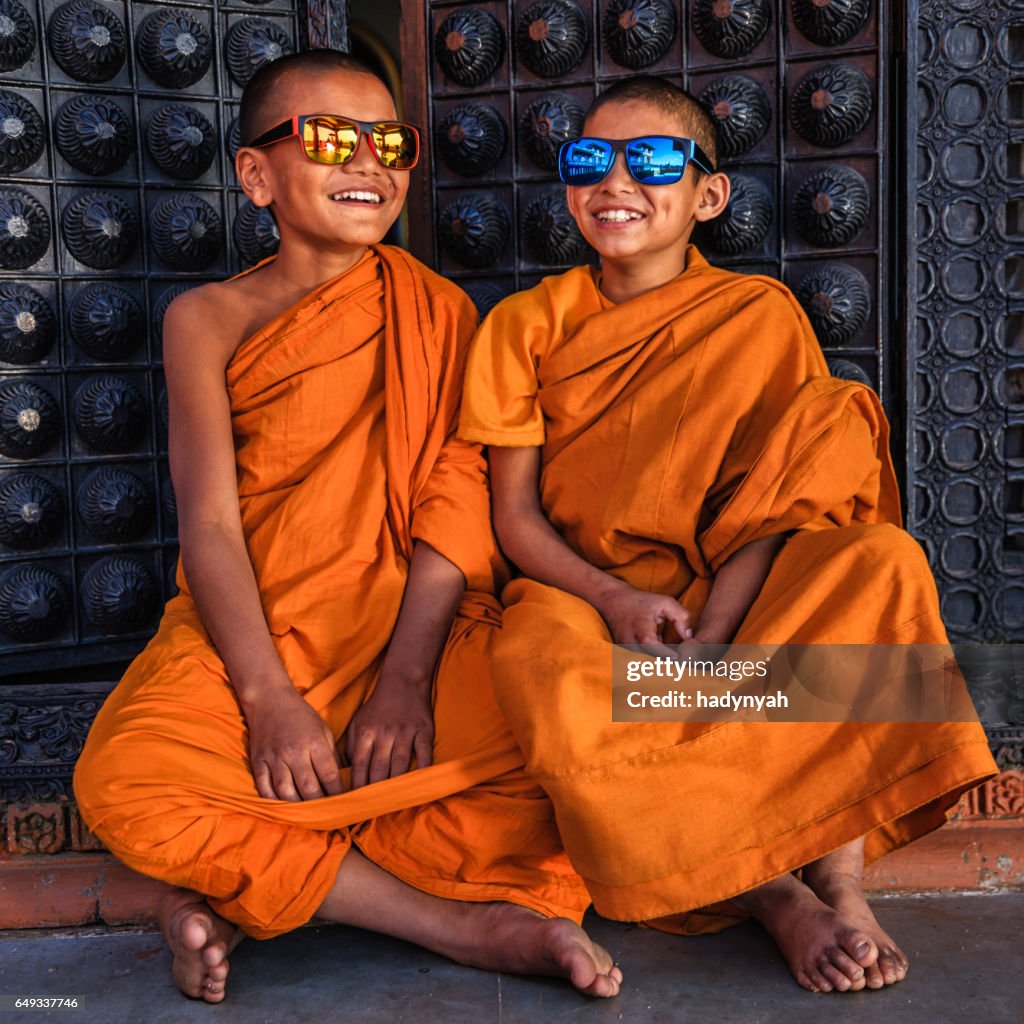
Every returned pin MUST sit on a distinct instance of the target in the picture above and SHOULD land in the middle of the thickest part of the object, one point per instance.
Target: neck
(300, 269)
(622, 280)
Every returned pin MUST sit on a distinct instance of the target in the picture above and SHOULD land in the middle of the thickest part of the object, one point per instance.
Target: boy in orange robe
(337, 576)
(671, 461)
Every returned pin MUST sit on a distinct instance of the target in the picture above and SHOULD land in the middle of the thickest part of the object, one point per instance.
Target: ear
(715, 191)
(253, 172)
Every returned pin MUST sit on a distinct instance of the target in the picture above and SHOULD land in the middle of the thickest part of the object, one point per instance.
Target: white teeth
(363, 197)
(618, 216)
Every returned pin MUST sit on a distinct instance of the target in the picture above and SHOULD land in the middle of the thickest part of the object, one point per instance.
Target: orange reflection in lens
(329, 140)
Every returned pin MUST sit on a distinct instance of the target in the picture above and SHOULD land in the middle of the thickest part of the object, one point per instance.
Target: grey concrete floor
(966, 952)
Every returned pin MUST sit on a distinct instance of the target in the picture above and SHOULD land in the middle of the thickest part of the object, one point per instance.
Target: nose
(364, 158)
(618, 177)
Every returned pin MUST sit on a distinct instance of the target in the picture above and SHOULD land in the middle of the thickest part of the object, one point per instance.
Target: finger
(284, 785)
(401, 756)
(306, 781)
(324, 759)
(360, 753)
(674, 612)
(424, 747)
(261, 775)
(380, 762)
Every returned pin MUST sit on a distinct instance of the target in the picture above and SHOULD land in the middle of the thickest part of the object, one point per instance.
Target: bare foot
(504, 937)
(200, 941)
(826, 950)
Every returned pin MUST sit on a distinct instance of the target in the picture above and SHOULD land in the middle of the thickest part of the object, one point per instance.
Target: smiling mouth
(617, 216)
(357, 196)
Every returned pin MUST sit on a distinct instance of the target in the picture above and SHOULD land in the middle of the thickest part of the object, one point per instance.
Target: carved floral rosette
(30, 421)
(744, 223)
(100, 229)
(549, 231)
(546, 123)
(94, 134)
(485, 296)
(638, 33)
(106, 321)
(552, 38)
(252, 43)
(28, 327)
(186, 231)
(22, 134)
(471, 138)
(119, 595)
(174, 47)
(109, 414)
(17, 35)
(831, 104)
(474, 228)
(830, 22)
(730, 28)
(31, 511)
(34, 603)
(115, 505)
(831, 206)
(741, 110)
(87, 40)
(24, 229)
(255, 233)
(837, 300)
(469, 46)
(181, 141)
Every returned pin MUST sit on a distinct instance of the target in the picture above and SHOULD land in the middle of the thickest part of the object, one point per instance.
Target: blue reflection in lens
(656, 160)
(584, 161)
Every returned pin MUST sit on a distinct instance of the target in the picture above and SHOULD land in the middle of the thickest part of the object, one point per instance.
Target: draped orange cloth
(343, 412)
(675, 428)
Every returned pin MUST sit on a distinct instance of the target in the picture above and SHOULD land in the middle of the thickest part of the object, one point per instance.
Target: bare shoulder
(206, 324)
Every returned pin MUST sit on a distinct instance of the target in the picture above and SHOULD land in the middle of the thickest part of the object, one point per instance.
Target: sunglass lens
(584, 161)
(330, 140)
(397, 145)
(657, 161)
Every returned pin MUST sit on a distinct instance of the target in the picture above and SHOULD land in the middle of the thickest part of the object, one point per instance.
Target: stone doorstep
(68, 889)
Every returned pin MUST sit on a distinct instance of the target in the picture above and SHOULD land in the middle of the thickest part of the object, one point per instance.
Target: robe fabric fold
(675, 429)
(343, 412)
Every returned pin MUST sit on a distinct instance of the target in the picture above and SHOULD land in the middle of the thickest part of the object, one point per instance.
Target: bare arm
(397, 720)
(536, 547)
(291, 749)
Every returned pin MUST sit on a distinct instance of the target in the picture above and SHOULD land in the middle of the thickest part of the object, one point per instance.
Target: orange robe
(343, 412)
(675, 428)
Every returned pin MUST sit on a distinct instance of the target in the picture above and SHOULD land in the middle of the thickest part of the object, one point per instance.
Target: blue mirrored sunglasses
(651, 159)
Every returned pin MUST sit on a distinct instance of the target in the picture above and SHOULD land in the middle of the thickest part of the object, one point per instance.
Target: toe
(848, 966)
(873, 977)
(892, 969)
(833, 975)
(215, 954)
(819, 983)
(859, 946)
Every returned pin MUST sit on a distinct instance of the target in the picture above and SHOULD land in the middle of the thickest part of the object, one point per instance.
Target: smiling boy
(670, 460)
(337, 575)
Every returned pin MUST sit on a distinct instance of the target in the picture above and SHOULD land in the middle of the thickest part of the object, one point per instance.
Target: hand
(291, 749)
(395, 723)
(639, 617)
(710, 634)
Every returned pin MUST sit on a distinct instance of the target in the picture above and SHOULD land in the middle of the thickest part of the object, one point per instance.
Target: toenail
(862, 949)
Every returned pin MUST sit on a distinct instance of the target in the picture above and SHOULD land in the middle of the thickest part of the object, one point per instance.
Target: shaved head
(260, 108)
(678, 104)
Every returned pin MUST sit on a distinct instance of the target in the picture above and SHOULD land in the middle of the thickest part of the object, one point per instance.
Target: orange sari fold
(343, 413)
(676, 428)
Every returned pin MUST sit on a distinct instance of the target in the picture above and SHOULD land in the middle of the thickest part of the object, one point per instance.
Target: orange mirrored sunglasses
(334, 139)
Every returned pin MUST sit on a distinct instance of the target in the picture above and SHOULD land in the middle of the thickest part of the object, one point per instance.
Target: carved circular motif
(552, 37)
(546, 123)
(186, 232)
(963, 445)
(252, 43)
(115, 505)
(34, 603)
(181, 141)
(471, 138)
(31, 511)
(28, 327)
(87, 40)
(741, 110)
(109, 414)
(730, 28)
(963, 334)
(106, 321)
(963, 501)
(94, 134)
(846, 370)
(100, 229)
(233, 140)
(963, 389)
(963, 607)
(30, 422)
(831, 206)
(965, 278)
(745, 221)
(469, 46)
(174, 48)
(638, 33)
(119, 595)
(831, 104)
(965, 103)
(17, 35)
(830, 22)
(485, 296)
(24, 229)
(22, 136)
(837, 301)
(255, 233)
(474, 228)
(549, 231)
